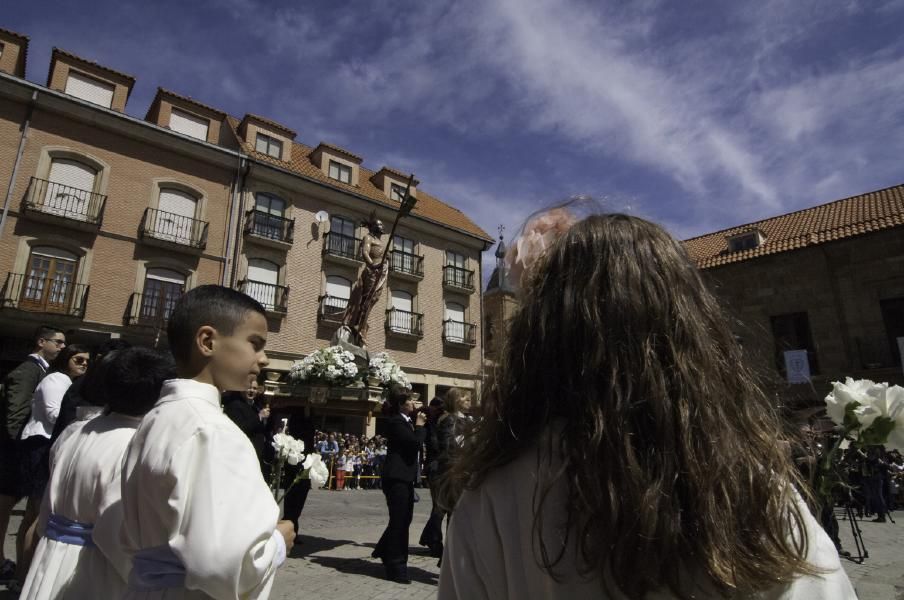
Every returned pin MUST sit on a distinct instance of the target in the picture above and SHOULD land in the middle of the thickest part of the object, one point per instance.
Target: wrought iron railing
(459, 332)
(170, 227)
(267, 226)
(458, 277)
(344, 246)
(49, 197)
(332, 309)
(274, 298)
(152, 310)
(55, 295)
(407, 263)
(404, 322)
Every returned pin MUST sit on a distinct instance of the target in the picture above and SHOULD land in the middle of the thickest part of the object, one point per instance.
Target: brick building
(108, 218)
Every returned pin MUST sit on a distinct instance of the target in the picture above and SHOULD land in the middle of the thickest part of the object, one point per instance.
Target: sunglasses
(79, 360)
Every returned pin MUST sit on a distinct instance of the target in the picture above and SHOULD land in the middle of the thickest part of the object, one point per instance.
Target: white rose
(845, 393)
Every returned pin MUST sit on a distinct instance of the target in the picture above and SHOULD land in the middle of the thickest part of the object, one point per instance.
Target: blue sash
(67, 531)
(156, 569)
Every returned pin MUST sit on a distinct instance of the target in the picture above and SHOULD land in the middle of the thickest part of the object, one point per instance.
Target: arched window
(69, 188)
(263, 279)
(50, 281)
(338, 290)
(175, 217)
(400, 315)
(455, 322)
(162, 289)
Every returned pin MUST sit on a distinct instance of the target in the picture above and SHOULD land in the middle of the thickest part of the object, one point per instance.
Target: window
(189, 124)
(50, 281)
(268, 145)
(454, 259)
(269, 213)
(404, 260)
(401, 316)
(455, 322)
(162, 289)
(893, 317)
(792, 332)
(341, 239)
(340, 172)
(263, 281)
(746, 241)
(70, 188)
(90, 89)
(396, 191)
(175, 216)
(338, 290)
(456, 274)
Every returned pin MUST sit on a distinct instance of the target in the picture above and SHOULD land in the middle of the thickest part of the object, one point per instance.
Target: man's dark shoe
(878, 520)
(399, 578)
(7, 571)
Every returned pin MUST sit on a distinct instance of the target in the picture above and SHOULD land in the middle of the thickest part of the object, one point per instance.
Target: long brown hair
(669, 449)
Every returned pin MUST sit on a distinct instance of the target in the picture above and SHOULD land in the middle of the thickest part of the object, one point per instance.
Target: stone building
(107, 219)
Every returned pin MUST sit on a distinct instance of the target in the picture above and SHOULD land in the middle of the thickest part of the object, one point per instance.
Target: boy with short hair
(199, 520)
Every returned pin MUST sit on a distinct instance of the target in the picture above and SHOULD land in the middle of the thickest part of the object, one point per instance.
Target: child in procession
(199, 520)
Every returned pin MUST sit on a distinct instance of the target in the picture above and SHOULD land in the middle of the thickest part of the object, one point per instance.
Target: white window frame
(343, 172)
(271, 146)
(189, 124)
(77, 81)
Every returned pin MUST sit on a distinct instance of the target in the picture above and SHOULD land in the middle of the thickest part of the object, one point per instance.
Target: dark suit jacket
(18, 389)
(403, 443)
(246, 417)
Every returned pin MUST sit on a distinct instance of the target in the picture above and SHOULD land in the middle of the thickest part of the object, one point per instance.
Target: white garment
(489, 554)
(85, 466)
(45, 405)
(41, 361)
(192, 482)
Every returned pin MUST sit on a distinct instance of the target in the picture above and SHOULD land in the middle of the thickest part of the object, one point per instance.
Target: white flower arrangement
(315, 470)
(871, 413)
(329, 366)
(291, 450)
(288, 448)
(384, 368)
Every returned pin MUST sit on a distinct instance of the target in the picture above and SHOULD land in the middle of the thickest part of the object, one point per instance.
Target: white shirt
(45, 405)
(41, 361)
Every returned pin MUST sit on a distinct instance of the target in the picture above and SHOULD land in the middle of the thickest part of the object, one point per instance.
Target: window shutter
(73, 174)
(90, 89)
(401, 301)
(188, 124)
(263, 271)
(338, 287)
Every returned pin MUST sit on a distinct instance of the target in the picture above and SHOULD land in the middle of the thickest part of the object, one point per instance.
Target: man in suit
(404, 441)
(241, 409)
(18, 389)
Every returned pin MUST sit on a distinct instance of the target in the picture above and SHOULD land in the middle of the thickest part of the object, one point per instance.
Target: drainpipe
(235, 212)
(240, 206)
(12, 180)
(482, 373)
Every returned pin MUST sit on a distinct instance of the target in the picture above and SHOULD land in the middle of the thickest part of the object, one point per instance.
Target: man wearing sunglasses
(15, 404)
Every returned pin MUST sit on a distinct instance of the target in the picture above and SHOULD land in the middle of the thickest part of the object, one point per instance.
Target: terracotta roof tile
(14, 34)
(340, 150)
(269, 122)
(24, 39)
(397, 174)
(873, 211)
(75, 57)
(165, 92)
(427, 207)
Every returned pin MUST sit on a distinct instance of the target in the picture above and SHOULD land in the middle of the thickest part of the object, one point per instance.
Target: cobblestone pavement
(339, 530)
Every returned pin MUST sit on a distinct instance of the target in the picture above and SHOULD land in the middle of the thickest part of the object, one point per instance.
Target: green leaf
(877, 433)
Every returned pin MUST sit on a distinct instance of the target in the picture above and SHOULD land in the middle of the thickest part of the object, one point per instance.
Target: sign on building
(797, 366)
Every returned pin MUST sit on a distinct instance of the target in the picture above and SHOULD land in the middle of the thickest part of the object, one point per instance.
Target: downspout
(230, 227)
(482, 372)
(12, 180)
(244, 169)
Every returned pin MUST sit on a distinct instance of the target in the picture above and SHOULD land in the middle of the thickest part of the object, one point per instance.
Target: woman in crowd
(405, 437)
(631, 452)
(79, 555)
(70, 364)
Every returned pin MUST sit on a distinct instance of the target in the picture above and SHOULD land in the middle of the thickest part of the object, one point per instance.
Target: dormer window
(189, 124)
(747, 240)
(340, 172)
(396, 192)
(90, 89)
(268, 145)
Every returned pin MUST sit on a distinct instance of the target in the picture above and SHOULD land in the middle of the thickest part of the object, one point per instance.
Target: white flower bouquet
(290, 450)
(387, 370)
(872, 414)
(330, 366)
(315, 470)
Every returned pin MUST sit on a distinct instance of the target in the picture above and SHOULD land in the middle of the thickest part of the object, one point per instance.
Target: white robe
(84, 486)
(489, 554)
(192, 483)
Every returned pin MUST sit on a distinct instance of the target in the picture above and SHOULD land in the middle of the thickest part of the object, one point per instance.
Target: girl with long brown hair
(626, 450)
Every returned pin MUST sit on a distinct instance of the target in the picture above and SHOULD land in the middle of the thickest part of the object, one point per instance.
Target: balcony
(50, 201)
(274, 298)
(404, 324)
(344, 249)
(332, 310)
(458, 279)
(172, 230)
(150, 310)
(56, 296)
(458, 333)
(268, 229)
(406, 265)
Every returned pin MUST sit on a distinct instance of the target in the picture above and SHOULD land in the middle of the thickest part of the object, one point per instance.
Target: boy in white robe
(199, 520)
(79, 555)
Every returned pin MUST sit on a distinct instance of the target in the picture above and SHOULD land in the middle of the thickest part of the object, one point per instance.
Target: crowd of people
(626, 450)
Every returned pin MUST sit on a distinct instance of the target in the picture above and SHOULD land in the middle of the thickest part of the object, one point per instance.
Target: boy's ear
(205, 340)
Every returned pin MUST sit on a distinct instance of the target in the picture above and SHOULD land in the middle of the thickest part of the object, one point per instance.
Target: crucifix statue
(366, 290)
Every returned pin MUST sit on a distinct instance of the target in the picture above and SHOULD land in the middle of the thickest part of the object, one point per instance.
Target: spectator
(241, 408)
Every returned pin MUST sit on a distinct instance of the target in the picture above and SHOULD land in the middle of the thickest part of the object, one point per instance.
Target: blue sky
(697, 114)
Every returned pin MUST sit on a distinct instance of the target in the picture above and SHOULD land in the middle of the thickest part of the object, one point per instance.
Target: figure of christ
(367, 288)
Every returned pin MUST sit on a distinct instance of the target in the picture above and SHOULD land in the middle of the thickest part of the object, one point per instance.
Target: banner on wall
(797, 366)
